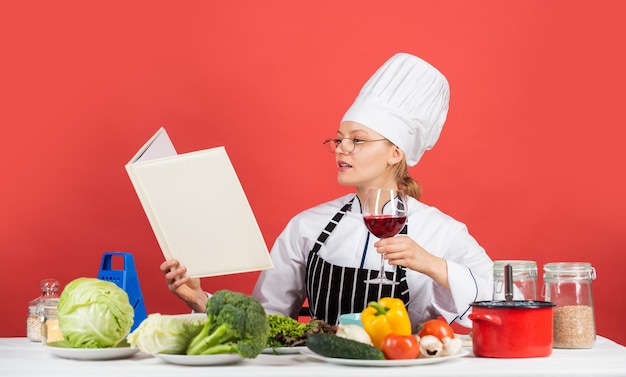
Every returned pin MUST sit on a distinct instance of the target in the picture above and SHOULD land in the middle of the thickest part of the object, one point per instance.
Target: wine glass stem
(382, 267)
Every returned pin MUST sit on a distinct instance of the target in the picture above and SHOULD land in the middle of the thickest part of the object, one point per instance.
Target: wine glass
(384, 214)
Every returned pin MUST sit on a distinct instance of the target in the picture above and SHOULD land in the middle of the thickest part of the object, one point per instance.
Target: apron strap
(321, 239)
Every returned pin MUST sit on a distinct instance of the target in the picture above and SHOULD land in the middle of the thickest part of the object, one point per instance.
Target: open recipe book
(197, 209)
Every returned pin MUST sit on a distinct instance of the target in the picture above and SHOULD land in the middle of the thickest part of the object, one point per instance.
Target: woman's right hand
(186, 288)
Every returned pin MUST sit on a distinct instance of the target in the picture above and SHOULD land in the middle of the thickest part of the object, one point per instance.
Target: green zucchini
(330, 345)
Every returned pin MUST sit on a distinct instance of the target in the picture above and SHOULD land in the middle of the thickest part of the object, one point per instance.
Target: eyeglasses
(348, 145)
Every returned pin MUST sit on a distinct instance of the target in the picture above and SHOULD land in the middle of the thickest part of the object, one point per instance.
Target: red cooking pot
(512, 328)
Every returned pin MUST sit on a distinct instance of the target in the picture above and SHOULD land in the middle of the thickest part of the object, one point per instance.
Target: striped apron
(334, 290)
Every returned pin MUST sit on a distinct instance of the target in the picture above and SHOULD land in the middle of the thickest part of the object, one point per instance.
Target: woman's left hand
(403, 251)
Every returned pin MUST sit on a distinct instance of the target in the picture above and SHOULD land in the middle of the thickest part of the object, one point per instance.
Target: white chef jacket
(282, 289)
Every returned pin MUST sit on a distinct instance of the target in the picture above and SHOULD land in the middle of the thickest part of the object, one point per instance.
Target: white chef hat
(406, 101)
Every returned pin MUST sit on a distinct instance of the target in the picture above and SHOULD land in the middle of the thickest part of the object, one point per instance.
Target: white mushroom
(430, 346)
(451, 346)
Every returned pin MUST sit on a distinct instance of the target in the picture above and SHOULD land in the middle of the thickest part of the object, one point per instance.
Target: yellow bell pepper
(387, 316)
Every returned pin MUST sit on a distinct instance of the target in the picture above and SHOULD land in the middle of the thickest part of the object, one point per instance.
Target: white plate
(90, 353)
(222, 359)
(283, 350)
(384, 363)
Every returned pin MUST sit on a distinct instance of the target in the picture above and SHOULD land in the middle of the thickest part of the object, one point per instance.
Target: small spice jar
(49, 289)
(50, 330)
(568, 286)
(524, 279)
(33, 324)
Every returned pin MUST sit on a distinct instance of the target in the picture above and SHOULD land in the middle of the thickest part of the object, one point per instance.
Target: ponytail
(410, 186)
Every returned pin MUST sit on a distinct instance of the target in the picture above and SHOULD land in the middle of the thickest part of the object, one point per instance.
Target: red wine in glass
(384, 226)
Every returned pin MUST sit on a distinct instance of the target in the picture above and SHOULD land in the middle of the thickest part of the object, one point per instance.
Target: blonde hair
(410, 186)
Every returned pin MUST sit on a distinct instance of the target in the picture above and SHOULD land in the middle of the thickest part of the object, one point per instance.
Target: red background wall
(531, 158)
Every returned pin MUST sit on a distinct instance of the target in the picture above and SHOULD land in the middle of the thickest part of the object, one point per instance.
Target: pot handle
(496, 320)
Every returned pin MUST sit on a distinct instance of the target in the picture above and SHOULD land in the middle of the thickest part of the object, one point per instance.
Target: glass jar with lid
(50, 330)
(524, 279)
(49, 289)
(568, 286)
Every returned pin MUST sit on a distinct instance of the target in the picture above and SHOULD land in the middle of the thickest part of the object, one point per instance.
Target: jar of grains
(568, 286)
(49, 289)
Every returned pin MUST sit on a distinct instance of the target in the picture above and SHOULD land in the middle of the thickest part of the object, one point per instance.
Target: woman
(325, 253)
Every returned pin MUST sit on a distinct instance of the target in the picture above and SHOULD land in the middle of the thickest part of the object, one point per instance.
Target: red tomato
(397, 347)
(437, 328)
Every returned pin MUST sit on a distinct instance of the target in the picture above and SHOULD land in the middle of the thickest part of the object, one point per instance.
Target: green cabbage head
(94, 313)
(169, 334)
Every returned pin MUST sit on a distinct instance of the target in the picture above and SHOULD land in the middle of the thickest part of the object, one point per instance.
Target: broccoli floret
(236, 323)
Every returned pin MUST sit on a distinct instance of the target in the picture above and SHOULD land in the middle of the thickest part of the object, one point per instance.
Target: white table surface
(20, 357)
